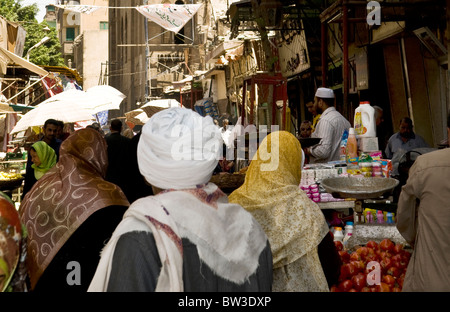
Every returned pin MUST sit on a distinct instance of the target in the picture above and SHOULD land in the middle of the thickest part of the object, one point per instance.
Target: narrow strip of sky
(41, 5)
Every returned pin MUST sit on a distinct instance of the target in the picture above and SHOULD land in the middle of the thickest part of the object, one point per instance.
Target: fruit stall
(376, 266)
(374, 255)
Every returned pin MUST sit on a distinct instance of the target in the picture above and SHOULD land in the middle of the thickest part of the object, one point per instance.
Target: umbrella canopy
(98, 99)
(155, 106)
(66, 111)
(104, 91)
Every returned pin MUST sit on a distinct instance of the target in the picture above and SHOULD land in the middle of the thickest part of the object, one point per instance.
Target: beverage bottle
(348, 229)
(338, 235)
(380, 216)
(369, 217)
(343, 146)
(390, 219)
(364, 121)
(352, 144)
(348, 232)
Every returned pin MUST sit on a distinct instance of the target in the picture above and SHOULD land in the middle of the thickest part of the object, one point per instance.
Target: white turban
(178, 149)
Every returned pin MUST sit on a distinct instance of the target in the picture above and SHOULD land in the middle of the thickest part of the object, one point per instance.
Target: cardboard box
(368, 144)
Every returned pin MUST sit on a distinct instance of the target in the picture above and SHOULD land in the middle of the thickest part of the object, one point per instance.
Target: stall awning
(10, 57)
(6, 109)
(68, 72)
(181, 83)
(221, 49)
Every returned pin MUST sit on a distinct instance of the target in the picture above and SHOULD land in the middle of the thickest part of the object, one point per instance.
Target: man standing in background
(50, 131)
(119, 156)
(315, 115)
(330, 128)
(405, 139)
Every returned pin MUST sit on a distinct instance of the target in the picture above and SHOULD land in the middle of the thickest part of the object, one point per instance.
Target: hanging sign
(86, 9)
(169, 16)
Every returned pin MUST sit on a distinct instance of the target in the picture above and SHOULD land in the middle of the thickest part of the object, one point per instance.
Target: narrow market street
(317, 130)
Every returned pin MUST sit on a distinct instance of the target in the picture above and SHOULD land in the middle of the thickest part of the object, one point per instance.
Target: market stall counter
(11, 176)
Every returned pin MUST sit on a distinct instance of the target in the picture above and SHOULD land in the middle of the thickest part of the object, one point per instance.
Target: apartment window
(70, 33)
(103, 25)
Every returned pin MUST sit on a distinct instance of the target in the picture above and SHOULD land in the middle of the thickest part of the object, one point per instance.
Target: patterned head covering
(10, 239)
(46, 155)
(294, 224)
(66, 196)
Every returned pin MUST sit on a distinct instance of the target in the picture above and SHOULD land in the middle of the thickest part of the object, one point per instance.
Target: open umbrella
(65, 110)
(96, 99)
(107, 92)
(155, 106)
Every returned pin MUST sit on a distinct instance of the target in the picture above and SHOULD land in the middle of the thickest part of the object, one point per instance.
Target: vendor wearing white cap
(330, 128)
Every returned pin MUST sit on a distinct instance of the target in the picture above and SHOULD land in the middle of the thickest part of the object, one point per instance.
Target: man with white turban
(187, 237)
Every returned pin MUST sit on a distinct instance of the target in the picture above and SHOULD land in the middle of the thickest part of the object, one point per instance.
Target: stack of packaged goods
(359, 146)
(373, 216)
(310, 182)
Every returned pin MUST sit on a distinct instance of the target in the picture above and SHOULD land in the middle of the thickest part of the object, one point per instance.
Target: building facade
(147, 60)
(84, 38)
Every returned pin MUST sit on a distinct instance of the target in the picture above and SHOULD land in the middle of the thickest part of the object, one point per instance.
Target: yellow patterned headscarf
(294, 224)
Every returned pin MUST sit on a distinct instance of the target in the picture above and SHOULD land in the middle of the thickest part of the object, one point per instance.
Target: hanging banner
(172, 17)
(86, 9)
(51, 86)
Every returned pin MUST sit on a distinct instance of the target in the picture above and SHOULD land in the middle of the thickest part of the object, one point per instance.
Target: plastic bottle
(348, 228)
(369, 217)
(352, 144)
(389, 217)
(380, 217)
(343, 146)
(338, 235)
(348, 232)
(364, 121)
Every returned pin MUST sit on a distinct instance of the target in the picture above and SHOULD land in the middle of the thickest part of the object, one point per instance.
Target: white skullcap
(178, 149)
(325, 93)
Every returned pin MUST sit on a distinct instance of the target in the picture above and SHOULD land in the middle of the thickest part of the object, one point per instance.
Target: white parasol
(108, 93)
(95, 99)
(65, 110)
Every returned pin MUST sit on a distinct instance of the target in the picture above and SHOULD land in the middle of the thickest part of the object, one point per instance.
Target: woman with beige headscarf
(294, 224)
(69, 215)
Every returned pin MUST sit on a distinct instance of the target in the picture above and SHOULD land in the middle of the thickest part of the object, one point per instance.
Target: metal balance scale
(359, 189)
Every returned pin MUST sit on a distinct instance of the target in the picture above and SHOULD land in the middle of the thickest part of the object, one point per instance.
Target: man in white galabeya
(330, 128)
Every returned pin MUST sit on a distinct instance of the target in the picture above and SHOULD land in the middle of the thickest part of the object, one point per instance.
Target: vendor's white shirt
(329, 128)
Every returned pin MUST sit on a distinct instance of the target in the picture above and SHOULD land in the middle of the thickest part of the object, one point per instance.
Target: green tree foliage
(46, 54)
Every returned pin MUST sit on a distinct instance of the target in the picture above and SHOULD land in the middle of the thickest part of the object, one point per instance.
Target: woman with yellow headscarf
(294, 224)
